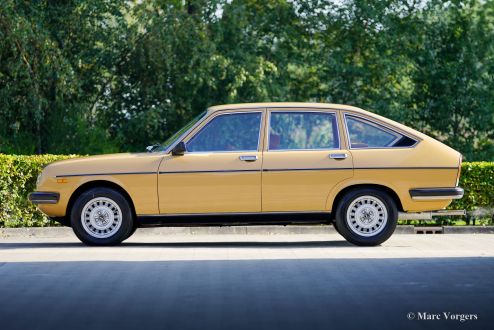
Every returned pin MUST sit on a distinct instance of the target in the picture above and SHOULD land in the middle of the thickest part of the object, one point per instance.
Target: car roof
(298, 105)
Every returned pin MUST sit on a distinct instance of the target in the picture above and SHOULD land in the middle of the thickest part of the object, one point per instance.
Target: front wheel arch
(98, 184)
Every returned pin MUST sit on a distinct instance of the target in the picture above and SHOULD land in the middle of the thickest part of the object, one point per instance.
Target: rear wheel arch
(339, 196)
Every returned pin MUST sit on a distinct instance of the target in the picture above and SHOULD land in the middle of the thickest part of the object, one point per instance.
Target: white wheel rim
(367, 216)
(101, 217)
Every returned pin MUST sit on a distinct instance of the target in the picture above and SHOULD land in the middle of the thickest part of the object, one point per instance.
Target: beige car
(261, 163)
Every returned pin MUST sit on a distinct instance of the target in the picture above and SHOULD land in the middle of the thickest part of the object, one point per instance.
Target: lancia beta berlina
(256, 164)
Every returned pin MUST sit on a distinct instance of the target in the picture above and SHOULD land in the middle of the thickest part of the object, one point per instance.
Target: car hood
(106, 164)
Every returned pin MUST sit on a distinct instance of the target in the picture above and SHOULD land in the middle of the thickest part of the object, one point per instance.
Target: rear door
(302, 160)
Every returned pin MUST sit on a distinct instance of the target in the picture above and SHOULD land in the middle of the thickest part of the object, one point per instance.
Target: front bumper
(436, 193)
(43, 197)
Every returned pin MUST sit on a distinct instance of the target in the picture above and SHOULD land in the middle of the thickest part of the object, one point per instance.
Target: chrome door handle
(338, 156)
(248, 158)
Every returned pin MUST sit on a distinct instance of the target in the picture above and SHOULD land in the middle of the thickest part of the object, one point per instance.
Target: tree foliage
(92, 76)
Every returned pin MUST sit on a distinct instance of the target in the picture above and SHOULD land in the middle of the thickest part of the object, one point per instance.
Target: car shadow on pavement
(245, 244)
(198, 244)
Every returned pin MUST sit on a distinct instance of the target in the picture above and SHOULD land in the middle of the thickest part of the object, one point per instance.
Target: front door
(303, 160)
(221, 170)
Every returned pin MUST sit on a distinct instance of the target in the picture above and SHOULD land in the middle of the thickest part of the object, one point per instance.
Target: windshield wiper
(154, 147)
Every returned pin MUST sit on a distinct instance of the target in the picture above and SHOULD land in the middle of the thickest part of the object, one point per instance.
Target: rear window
(363, 134)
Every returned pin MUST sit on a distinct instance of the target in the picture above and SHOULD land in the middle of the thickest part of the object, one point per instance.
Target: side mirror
(179, 149)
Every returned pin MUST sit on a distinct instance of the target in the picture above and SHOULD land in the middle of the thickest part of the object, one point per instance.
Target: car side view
(255, 164)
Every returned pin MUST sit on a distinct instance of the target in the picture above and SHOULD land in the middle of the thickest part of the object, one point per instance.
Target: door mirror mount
(179, 149)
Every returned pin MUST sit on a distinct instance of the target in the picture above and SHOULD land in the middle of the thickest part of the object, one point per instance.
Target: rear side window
(228, 132)
(366, 134)
(303, 130)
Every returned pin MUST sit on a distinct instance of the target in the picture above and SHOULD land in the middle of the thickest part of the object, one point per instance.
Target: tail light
(459, 170)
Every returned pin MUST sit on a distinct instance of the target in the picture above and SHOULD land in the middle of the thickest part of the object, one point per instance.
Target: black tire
(109, 199)
(380, 208)
(336, 228)
(134, 228)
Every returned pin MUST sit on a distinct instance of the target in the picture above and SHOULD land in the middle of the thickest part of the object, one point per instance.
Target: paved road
(247, 282)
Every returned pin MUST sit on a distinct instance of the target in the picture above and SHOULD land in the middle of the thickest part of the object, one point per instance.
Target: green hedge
(18, 177)
(477, 178)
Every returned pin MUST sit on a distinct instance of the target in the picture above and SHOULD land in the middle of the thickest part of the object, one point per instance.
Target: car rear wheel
(102, 216)
(366, 216)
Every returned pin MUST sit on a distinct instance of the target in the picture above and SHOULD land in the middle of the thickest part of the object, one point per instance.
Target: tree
(99, 75)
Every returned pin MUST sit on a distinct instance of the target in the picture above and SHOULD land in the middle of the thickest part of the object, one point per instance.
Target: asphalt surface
(248, 282)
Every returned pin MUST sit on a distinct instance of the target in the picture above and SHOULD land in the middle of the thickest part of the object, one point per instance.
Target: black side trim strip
(264, 170)
(98, 174)
(357, 168)
(211, 171)
(44, 197)
(233, 219)
(312, 169)
(305, 169)
(439, 192)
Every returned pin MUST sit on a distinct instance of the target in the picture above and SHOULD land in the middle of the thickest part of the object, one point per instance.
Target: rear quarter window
(363, 133)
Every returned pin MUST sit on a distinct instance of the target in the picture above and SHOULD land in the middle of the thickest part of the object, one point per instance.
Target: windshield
(181, 131)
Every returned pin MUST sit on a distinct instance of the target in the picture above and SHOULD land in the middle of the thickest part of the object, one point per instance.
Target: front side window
(303, 130)
(366, 134)
(228, 132)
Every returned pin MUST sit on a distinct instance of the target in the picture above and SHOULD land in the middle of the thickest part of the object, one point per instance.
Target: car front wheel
(101, 216)
(366, 216)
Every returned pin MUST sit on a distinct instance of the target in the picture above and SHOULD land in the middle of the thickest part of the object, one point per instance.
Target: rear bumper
(436, 193)
(43, 197)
